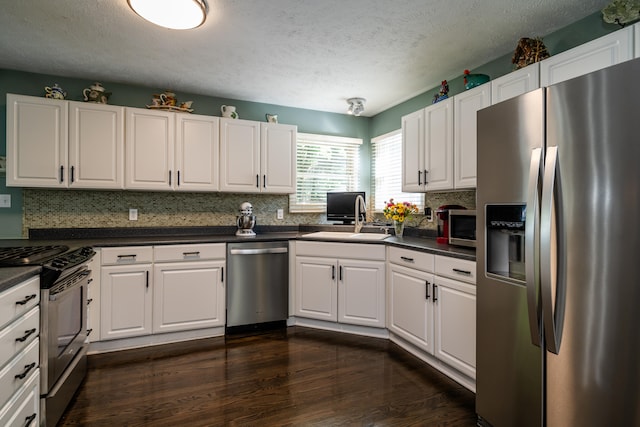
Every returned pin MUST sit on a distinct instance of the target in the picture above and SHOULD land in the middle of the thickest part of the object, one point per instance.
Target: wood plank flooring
(293, 377)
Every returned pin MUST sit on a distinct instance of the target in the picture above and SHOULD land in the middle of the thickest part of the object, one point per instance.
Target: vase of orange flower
(399, 212)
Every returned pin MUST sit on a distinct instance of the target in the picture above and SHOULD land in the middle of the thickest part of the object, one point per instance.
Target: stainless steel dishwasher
(257, 285)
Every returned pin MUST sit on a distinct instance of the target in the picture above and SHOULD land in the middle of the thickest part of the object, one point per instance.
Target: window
(325, 163)
(386, 172)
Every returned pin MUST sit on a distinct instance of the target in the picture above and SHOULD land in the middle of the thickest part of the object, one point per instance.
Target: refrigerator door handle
(551, 249)
(531, 239)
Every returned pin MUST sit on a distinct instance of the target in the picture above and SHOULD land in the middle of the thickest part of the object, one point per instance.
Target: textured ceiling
(301, 53)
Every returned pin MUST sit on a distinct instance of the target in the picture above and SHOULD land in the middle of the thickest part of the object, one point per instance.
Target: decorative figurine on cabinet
(443, 94)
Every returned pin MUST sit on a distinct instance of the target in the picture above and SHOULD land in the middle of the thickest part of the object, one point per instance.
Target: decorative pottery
(96, 93)
(529, 51)
(398, 227)
(229, 111)
(168, 98)
(55, 92)
(473, 80)
(271, 118)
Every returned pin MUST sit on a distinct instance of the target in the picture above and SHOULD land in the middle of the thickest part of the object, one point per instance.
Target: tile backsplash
(94, 209)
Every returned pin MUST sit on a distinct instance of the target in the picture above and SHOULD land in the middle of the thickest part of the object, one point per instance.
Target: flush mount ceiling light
(173, 14)
(356, 106)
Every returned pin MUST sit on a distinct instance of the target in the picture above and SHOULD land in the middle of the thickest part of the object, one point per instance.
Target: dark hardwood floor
(293, 377)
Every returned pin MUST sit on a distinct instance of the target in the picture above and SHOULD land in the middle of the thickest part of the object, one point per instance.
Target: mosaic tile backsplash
(94, 209)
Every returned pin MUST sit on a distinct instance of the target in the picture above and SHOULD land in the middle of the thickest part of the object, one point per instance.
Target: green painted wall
(566, 38)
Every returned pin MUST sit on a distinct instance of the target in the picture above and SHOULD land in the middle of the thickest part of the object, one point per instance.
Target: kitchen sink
(343, 235)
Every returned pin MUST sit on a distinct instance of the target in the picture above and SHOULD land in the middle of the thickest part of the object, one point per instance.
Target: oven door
(63, 325)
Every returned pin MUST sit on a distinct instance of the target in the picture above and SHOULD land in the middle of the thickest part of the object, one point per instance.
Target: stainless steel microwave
(462, 227)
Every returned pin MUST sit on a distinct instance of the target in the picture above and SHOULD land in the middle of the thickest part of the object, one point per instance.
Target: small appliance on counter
(443, 222)
(246, 221)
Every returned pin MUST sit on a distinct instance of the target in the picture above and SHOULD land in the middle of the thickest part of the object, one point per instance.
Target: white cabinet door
(413, 152)
(125, 301)
(516, 83)
(278, 158)
(96, 146)
(466, 105)
(361, 292)
(410, 308)
(438, 146)
(455, 322)
(37, 134)
(316, 288)
(188, 295)
(197, 148)
(602, 52)
(239, 155)
(150, 147)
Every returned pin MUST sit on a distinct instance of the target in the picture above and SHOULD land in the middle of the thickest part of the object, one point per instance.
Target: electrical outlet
(5, 200)
(133, 214)
(280, 214)
(429, 214)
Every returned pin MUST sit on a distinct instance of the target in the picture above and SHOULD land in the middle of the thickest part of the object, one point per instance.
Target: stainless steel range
(63, 320)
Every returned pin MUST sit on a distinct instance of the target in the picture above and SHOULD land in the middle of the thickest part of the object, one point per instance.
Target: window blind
(386, 172)
(325, 163)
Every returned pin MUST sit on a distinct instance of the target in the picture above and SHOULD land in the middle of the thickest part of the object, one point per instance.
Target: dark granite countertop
(106, 237)
(12, 276)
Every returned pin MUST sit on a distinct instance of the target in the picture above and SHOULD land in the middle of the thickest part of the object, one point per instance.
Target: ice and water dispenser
(505, 240)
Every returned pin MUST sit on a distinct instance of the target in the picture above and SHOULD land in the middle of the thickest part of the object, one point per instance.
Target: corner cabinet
(64, 144)
(427, 148)
(169, 151)
(257, 157)
(465, 122)
(340, 282)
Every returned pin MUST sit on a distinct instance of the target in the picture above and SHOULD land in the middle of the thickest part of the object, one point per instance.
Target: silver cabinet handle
(259, 251)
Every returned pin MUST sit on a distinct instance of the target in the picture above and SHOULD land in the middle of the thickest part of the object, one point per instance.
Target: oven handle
(78, 279)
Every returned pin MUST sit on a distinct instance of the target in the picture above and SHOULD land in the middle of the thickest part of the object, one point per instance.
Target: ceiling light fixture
(356, 106)
(173, 14)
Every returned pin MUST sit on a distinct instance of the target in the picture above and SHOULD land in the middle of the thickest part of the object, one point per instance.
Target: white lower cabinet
(434, 313)
(148, 290)
(340, 282)
(125, 292)
(189, 293)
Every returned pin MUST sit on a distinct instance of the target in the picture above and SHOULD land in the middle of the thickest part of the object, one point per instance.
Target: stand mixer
(246, 221)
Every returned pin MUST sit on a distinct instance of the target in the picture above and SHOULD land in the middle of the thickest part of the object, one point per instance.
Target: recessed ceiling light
(173, 14)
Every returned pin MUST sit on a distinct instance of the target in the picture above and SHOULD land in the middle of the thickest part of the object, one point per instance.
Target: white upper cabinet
(278, 158)
(171, 151)
(37, 142)
(150, 146)
(466, 106)
(427, 148)
(64, 144)
(197, 148)
(257, 157)
(96, 145)
(412, 151)
(602, 52)
(516, 83)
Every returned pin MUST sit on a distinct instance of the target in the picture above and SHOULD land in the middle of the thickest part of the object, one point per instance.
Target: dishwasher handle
(259, 251)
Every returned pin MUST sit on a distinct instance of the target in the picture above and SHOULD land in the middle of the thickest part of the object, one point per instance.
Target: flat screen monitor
(341, 206)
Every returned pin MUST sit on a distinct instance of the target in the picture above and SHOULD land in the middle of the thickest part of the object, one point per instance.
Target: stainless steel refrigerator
(558, 254)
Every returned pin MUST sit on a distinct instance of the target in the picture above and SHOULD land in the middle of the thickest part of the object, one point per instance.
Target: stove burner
(29, 255)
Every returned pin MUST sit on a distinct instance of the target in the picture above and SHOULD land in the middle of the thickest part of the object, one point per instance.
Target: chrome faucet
(360, 204)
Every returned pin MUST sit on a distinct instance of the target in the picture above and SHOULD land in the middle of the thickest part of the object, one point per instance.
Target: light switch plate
(133, 214)
(5, 200)
(280, 214)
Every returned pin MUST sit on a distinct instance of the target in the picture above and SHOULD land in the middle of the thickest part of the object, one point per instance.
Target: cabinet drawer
(455, 268)
(16, 301)
(341, 250)
(127, 255)
(24, 406)
(18, 335)
(171, 253)
(412, 259)
(18, 371)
